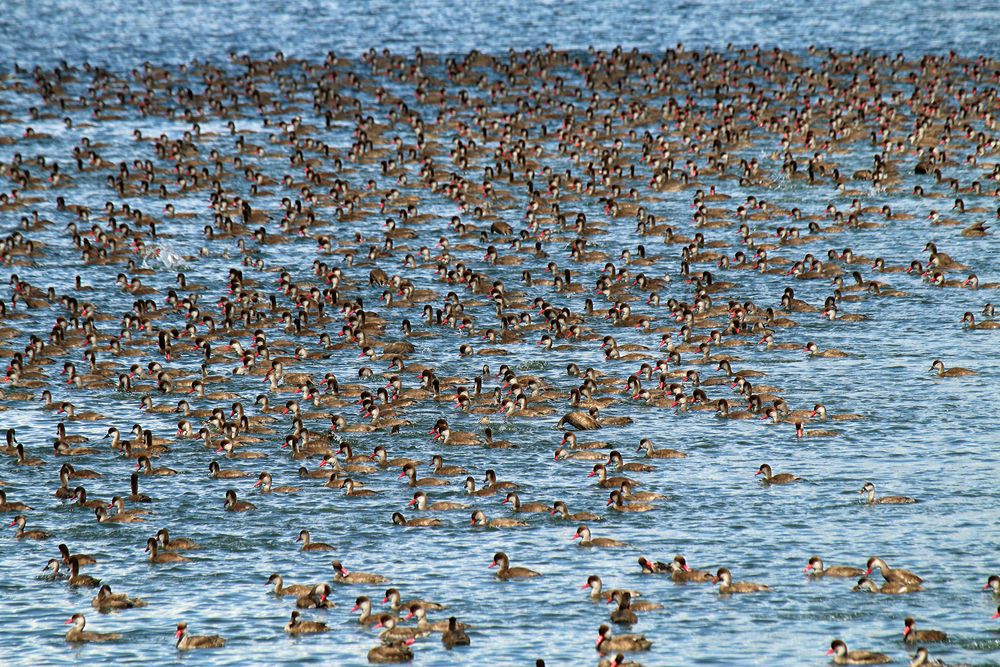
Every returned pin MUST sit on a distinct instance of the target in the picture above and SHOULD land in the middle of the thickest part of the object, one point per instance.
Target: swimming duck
(342, 576)
(583, 534)
(391, 653)
(890, 574)
(953, 372)
(455, 635)
(727, 586)
(681, 573)
(308, 545)
(841, 656)
(189, 642)
(479, 518)
(155, 556)
(869, 490)
(560, 510)
(393, 599)
(607, 643)
(167, 543)
(912, 635)
(23, 534)
(646, 445)
(295, 590)
(317, 598)
(234, 505)
(505, 572)
(866, 585)
(106, 601)
(296, 626)
(780, 478)
(77, 634)
(815, 569)
(518, 507)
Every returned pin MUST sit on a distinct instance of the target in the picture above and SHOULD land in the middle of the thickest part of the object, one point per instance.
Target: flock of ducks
(555, 167)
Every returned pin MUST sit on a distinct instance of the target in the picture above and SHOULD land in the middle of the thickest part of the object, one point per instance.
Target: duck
(145, 467)
(317, 598)
(953, 372)
(866, 585)
(921, 658)
(390, 630)
(869, 490)
(596, 587)
(993, 583)
(455, 635)
(410, 471)
(296, 626)
(812, 350)
(364, 605)
(167, 543)
(681, 573)
(189, 642)
(505, 572)
(82, 559)
(215, 471)
(653, 566)
(7, 506)
(913, 636)
(816, 570)
(393, 599)
(841, 656)
(623, 615)
(616, 462)
(724, 578)
(393, 652)
(820, 413)
(893, 575)
(23, 534)
(103, 517)
(264, 482)
(969, 320)
(420, 502)
(308, 545)
(280, 590)
(607, 643)
(77, 634)
(581, 421)
(646, 445)
(583, 534)
(134, 496)
(479, 518)
(421, 522)
(234, 505)
(342, 576)
(118, 503)
(156, 556)
(437, 463)
(616, 501)
(526, 508)
(418, 610)
(106, 601)
(78, 580)
(561, 510)
(780, 478)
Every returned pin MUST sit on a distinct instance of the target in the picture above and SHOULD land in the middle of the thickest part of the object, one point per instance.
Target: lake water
(934, 439)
